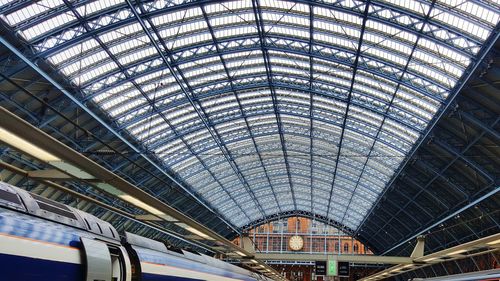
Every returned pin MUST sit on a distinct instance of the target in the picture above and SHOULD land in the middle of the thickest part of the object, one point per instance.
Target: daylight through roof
(262, 107)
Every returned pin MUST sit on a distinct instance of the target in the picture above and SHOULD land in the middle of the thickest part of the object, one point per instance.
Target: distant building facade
(316, 237)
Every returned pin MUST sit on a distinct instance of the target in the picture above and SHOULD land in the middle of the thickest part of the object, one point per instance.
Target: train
(44, 240)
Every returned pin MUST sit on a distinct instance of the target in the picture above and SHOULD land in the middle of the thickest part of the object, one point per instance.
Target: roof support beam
(186, 89)
(56, 154)
(400, 79)
(487, 46)
(99, 120)
(348, 104)
(261, 30)
(311, 103)
(423, 231)
(364, 259)
(243, 113)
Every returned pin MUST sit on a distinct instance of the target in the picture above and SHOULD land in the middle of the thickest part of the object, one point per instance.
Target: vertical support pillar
(418, 251)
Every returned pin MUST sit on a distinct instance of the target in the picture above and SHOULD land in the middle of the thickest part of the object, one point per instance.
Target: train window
(112, 233)
(8, 196)
(88, 224)
(55, 210)
(100, 229)
(50, 202)
(53, 207)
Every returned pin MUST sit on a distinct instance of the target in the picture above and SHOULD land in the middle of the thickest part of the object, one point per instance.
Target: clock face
(296, 243)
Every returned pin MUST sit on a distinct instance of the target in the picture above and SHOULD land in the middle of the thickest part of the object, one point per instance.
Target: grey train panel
(98, 260)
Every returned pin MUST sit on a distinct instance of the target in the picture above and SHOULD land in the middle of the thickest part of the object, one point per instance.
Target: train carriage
(43, 240)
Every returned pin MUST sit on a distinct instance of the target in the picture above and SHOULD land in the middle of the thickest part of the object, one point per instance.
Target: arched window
(355, 248)
(337, 247)
(346, 247)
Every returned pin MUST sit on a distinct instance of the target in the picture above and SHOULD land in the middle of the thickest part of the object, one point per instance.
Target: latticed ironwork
(264, 107)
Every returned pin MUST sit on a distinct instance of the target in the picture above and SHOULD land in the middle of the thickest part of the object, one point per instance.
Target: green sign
(332, 268)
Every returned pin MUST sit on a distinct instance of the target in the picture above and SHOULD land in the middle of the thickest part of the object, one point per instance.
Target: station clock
(296, 243)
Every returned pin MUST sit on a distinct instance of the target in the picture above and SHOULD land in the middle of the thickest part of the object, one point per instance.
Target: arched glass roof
(264, 106)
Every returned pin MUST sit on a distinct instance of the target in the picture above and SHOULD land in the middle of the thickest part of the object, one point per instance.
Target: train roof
(32, 204)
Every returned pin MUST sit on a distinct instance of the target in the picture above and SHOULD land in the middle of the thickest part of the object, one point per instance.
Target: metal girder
(311, 80)
(76, 144)
(101, 122)
(471, 69)
(186, 89)
(109, 182)
(280, 48)
(460, 155)
(431, 36)
(403, 72)
(262, 38)
(348, 104)
(423, 231)
(364, 259)
(243, 113)
(477, 247)
(143, 222)
(229, 119)
(485, 127)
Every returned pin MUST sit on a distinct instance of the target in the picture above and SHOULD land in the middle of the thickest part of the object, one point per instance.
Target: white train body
(42, 240)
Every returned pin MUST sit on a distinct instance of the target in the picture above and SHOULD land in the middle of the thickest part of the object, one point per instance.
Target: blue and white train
(43, 240)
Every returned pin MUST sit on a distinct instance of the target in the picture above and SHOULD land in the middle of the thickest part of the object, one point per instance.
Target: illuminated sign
(331, 269)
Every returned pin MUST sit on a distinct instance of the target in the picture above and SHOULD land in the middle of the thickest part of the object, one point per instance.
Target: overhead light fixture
(26, 146)
(395, 270)
(71, 170)
(254, 261)
(194, 231)
(493, 242)
(138, 203)
(457, 252)
(240, 253)
(430, 259)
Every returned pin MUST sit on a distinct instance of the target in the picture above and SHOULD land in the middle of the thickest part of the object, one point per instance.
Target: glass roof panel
(246, 105)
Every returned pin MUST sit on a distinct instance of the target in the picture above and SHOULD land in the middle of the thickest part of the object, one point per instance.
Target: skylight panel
(83, 64)
(443, 51)
(338, 29)
(229, 7)
(289, 6)
(121, 33)
(388, 56)
(210, 69)
(73, 52)
(335, 41)
(390, 31)
(438, 63)
(181, 15)
(94, 72)
(48, 25)
(460, 23)
(96, 6)
(479, 12)
(35, 9)
(233, 19)
(444, 80)
(449, 43)
(418, 7)
(286, 31)
(127, 45)
(236, 65)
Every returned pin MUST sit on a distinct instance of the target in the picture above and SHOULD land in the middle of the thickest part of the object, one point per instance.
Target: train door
(105, 262)
(120, 264)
